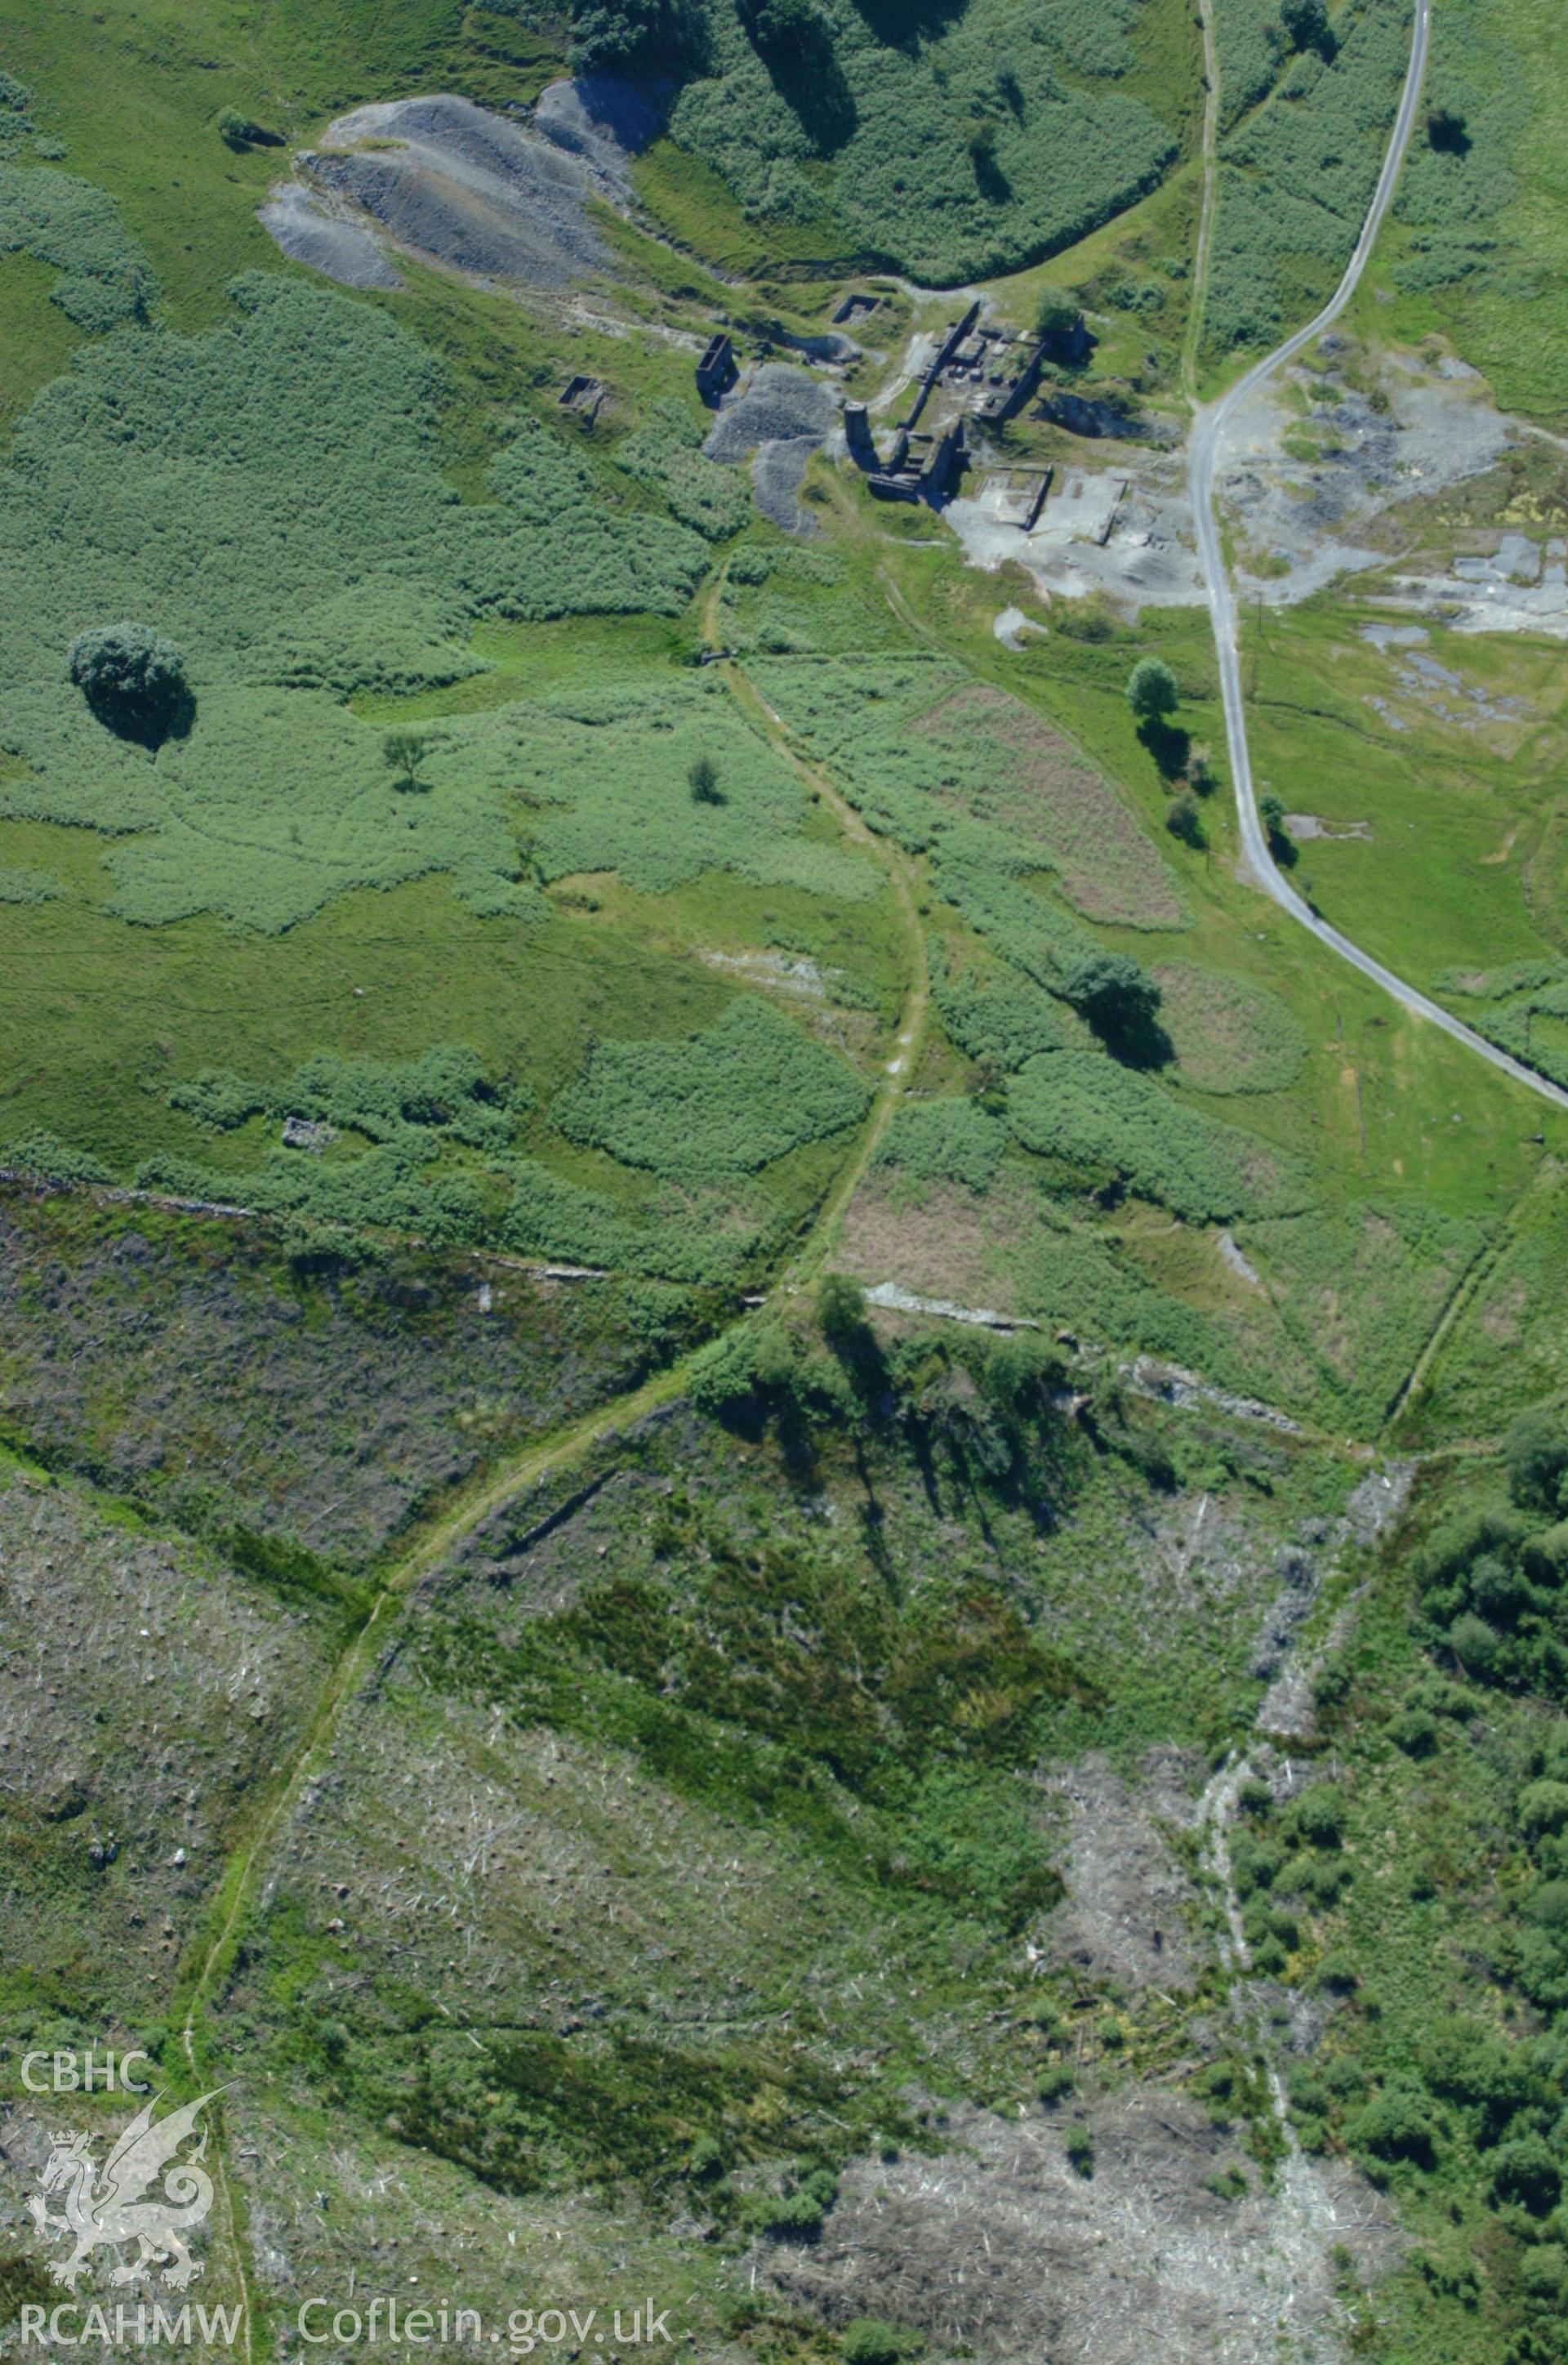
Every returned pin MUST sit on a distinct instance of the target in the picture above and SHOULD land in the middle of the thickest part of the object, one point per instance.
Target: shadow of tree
(1168, 744)
(1136, 1038)
(1446, 132)
(809, 80)
(990, 178)
(905, 24)
(147, 720)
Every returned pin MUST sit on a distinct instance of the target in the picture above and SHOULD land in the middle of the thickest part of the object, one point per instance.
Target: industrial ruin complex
(992, 371)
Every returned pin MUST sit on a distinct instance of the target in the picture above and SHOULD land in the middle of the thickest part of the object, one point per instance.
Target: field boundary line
(1477, 1272)
(1209, 211)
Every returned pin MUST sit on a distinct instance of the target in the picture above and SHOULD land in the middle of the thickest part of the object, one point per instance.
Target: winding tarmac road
(1208, 431)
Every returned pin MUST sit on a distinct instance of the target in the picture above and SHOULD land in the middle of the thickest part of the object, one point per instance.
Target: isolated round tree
(133, 679)
(1535, 1453)
(703, 774)
(1183, 820)
(1110, 989)
(1152, 693)
(1056, 314)
(841, 1310)
(775, 24)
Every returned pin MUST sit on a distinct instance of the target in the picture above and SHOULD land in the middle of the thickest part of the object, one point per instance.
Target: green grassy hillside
(972, 143)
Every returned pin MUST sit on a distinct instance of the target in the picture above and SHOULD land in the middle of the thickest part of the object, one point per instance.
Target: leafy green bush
(1056, 312)
(1120, 1000)
(1321, 1882)
(1306, 22)
(1535, 1454)
(77, 228)
(723, 1101)
(945, 1141)
(753, 1360)
(791, 2216)
(1183, 820)
(666, 452)
(867, 2340)
(1543, 1806)
(1308, 2094)
(1414, 1730)
(703, 774)
(1395, 2126)
(1488, 1607)
(402, 752)
(1543, 2274)
(707, 2161)
(1079, 1106)
(1546, 1556)
(635, 35)
(1526, 2173)
(238, 131)
(1470, 2064)
(1316, 1816)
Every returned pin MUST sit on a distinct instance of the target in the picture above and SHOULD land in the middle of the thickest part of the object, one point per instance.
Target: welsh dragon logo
(120, 2205)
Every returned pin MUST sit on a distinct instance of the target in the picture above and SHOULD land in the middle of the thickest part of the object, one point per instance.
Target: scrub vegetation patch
(724, 1102)
(960, 143)
(1297, 177)
(164, 479)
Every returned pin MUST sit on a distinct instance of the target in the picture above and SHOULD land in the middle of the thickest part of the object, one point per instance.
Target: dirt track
(1208, 430)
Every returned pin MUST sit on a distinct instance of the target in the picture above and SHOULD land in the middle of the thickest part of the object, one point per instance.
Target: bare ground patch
(184, 1362)
(1038, 788)
(144, 1690)
(1124, 1917)
(935, 1238)
(457, 185)
(999, 2249)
